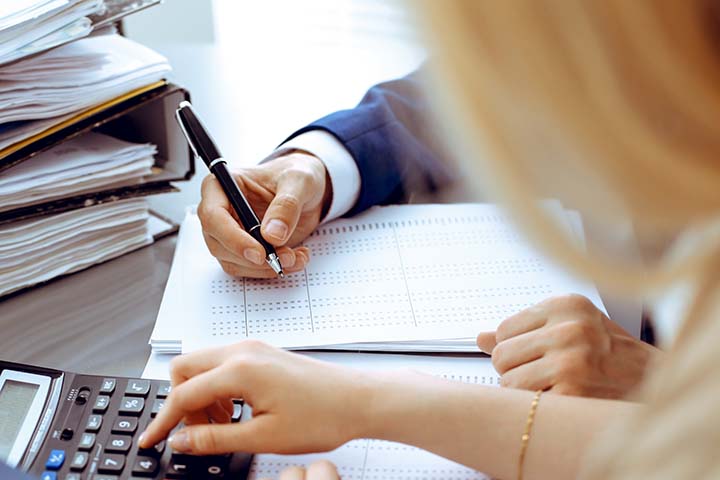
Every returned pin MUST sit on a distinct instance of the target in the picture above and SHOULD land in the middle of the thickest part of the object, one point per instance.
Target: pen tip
(281, 274)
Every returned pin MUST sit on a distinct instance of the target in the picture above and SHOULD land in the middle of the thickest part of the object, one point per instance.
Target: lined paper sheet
(412, 272)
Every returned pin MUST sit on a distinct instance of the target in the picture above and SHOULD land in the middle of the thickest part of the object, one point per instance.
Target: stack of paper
(34, 251)
(401, 278)
(87, 163)
(32, 26)
(46, 89)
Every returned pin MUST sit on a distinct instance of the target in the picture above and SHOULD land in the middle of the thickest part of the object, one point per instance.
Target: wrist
(394, 403)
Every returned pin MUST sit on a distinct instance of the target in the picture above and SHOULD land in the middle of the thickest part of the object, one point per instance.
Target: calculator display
(15, 403)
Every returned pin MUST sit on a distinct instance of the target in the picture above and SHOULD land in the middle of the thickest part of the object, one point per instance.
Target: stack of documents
(32, 26)
(401, 278)
(49, 88)
(37, 250)
(86, 163)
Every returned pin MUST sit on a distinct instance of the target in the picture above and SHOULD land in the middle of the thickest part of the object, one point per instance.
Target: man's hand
(322, 470)
(288, 193)
(568, 346)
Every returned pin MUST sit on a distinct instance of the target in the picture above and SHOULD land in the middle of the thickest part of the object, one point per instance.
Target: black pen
(205, 149)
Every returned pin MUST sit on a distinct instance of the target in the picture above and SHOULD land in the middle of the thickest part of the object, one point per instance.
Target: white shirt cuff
(340, 165)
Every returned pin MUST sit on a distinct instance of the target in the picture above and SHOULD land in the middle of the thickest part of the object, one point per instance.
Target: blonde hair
(614, 106)
(610, 103)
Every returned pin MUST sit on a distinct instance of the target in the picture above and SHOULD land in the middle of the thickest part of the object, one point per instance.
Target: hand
(288, 193)
(568, 346)
(322, 470)
(299, 404)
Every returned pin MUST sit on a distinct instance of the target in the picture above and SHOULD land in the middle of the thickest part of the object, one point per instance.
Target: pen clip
(186, 104)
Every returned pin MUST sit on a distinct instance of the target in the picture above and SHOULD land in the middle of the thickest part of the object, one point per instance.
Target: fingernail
(141, 439)
(180, 441)
(287, 260)
(253, 255)
(276, 228)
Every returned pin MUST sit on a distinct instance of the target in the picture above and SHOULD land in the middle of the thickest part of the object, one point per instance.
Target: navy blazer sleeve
(391, 136)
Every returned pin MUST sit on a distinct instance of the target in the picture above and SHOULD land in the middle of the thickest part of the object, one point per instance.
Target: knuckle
(252, 345)
(499, 358)
(573, 303)
(203, 440)
(572, 334)
(287, 201)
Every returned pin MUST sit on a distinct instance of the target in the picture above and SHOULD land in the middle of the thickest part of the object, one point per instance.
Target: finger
(195, 394)
(255, 435)
(219, 251)
(525, 321)
(183, 367)
(293, 190)
(220, 225)
(518, 350)
(322, 470)
(239, 272)
(486, 341)
(536, 375)
(217, 413)
(293, 473)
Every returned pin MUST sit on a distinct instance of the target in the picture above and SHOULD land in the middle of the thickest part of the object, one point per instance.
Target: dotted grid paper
(415, 272)
(381, 460)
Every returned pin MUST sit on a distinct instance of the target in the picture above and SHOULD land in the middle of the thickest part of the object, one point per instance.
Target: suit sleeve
(392, 139)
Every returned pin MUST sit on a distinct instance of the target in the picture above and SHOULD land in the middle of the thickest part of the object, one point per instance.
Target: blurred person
(541, 95)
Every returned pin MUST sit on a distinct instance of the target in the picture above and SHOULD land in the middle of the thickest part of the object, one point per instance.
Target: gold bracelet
(526, 434)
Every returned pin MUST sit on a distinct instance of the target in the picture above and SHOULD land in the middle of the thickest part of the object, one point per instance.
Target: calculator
(58, 425)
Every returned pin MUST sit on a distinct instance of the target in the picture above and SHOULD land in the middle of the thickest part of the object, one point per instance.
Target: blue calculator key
(55, 459)
(48, 476)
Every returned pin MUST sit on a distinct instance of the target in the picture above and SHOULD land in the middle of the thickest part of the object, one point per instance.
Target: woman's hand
(288, 193)
(299, 404)
(568, 346)
(322, 470)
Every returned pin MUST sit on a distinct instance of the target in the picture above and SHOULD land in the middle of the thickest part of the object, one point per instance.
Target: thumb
(221, 438)
(486, 341)
(283, 213)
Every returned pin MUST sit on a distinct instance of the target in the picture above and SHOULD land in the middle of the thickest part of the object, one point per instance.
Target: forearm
(481, 426)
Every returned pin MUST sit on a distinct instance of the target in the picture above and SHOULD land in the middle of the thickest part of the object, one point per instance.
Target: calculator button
(164, 390)
(111, 463)
(79, 461)
(178, 466)
(138, 387)
(132, 406)
(48, 476)
(237, 413)
(55, 459)
(126, 425)
(93, 423)
(155, 451)
(118, 443)
(108, 385)
(145, 467)
(106, 477)
(211, 467)
(73, 476)
(157, 405)
(87, 441)
(101, 403)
